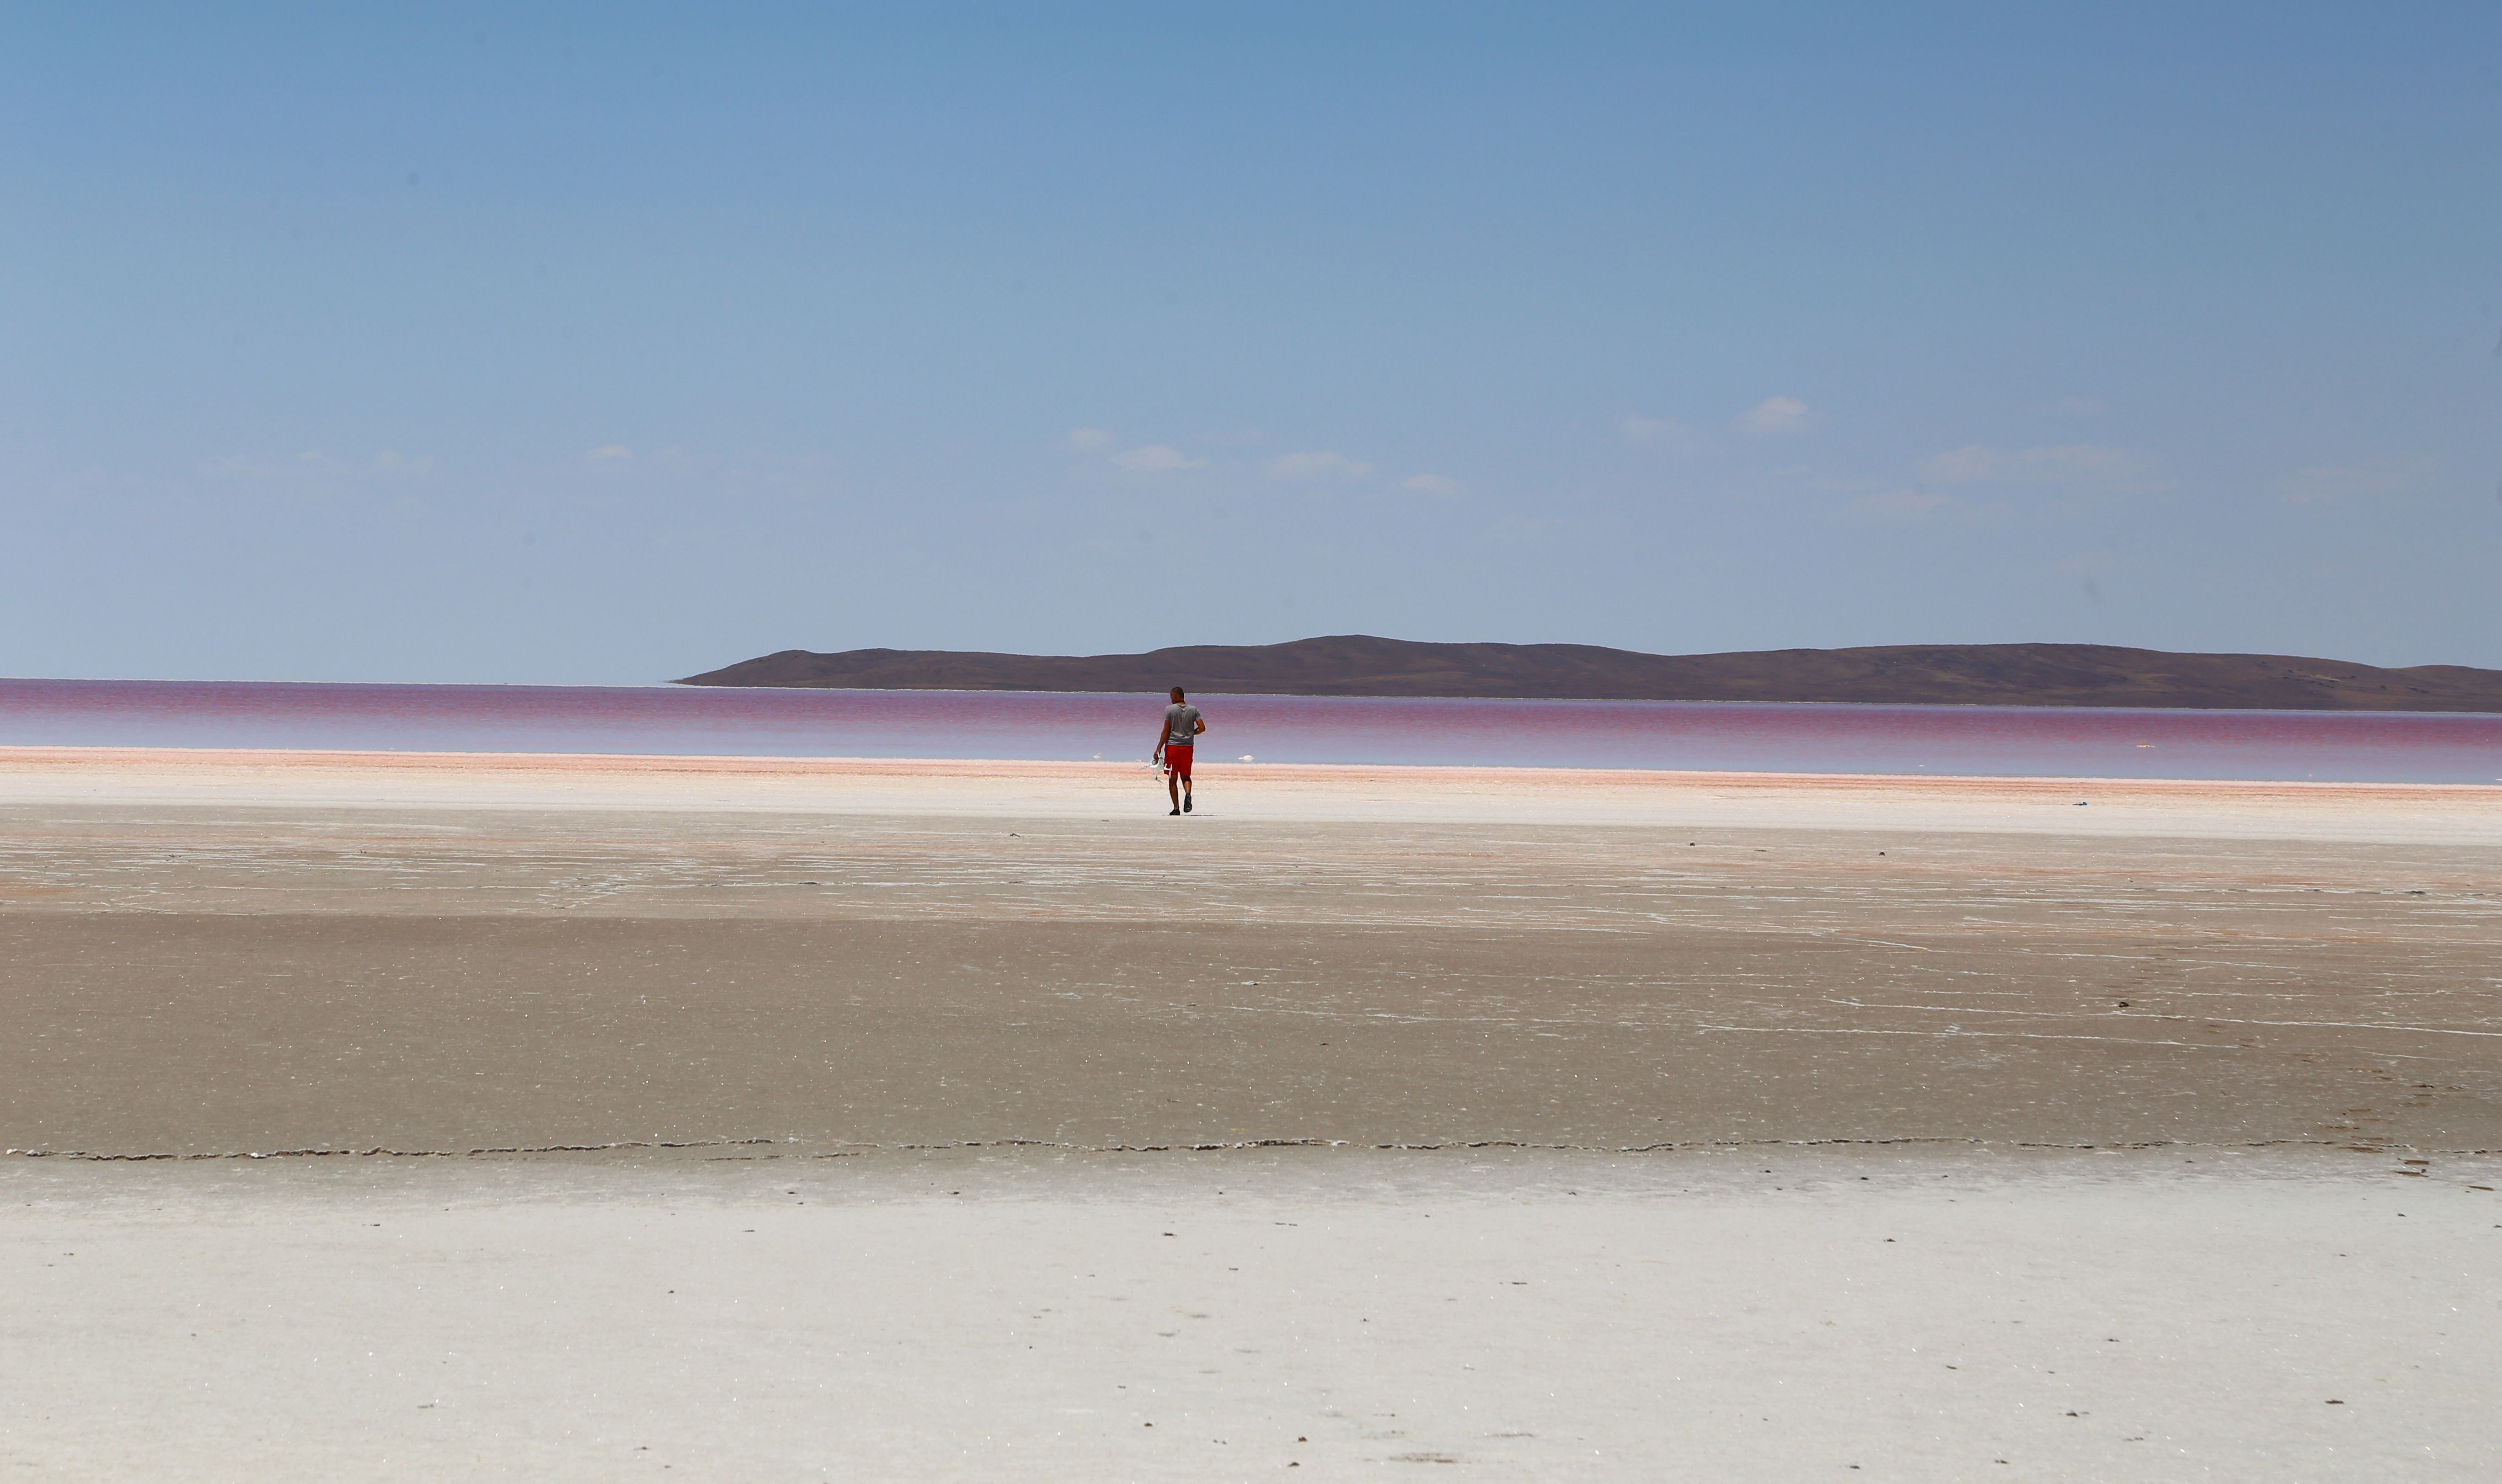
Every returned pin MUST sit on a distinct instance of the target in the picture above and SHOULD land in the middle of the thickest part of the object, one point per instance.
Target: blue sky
(606, 342)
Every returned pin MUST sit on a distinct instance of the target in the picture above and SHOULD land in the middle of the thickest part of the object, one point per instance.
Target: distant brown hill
(1950, 674)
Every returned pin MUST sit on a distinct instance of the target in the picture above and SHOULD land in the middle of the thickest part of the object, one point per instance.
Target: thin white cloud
(1319, 465)
(2080, 467)
(1089, 440)
(1662, 432)
(2373, 479)
(313, 468)
(1775, 415)
(608, 452)
(1158, 458)
(1431, 483)
(1908, 505)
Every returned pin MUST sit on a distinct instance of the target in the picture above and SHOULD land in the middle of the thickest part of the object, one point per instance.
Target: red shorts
(1177, 760)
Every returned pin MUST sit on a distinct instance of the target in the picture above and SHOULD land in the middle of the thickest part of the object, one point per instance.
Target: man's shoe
(1185, 803)
(1176, 811)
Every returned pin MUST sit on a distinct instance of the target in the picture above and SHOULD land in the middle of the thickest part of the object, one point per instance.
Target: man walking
(1176, 740)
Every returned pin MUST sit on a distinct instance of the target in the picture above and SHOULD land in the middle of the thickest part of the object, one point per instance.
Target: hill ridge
(1923, 674)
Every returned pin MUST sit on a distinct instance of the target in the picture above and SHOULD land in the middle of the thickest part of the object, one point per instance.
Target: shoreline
(2464, 815)
(55, 758)
(690, 685)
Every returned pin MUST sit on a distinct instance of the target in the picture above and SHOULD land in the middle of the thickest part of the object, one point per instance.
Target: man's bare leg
(1173, 787)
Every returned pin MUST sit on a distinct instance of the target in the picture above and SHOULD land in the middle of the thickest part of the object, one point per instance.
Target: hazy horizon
(601, 345)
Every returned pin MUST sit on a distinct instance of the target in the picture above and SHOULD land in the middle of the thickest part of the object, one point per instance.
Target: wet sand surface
(221, 978)
(2227, 1025)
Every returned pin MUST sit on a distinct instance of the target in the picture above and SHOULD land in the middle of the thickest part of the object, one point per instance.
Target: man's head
(1176, 692)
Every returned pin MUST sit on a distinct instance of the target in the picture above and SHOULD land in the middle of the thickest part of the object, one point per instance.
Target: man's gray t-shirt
(1181, 724)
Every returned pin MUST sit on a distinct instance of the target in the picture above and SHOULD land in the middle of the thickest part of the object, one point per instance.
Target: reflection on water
(1750, 736)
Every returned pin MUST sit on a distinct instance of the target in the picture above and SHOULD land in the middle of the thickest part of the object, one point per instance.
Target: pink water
(1994, 740)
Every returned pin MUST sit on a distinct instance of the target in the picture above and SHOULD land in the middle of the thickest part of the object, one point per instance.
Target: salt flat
(2184, 1046)
(1304, 1314)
